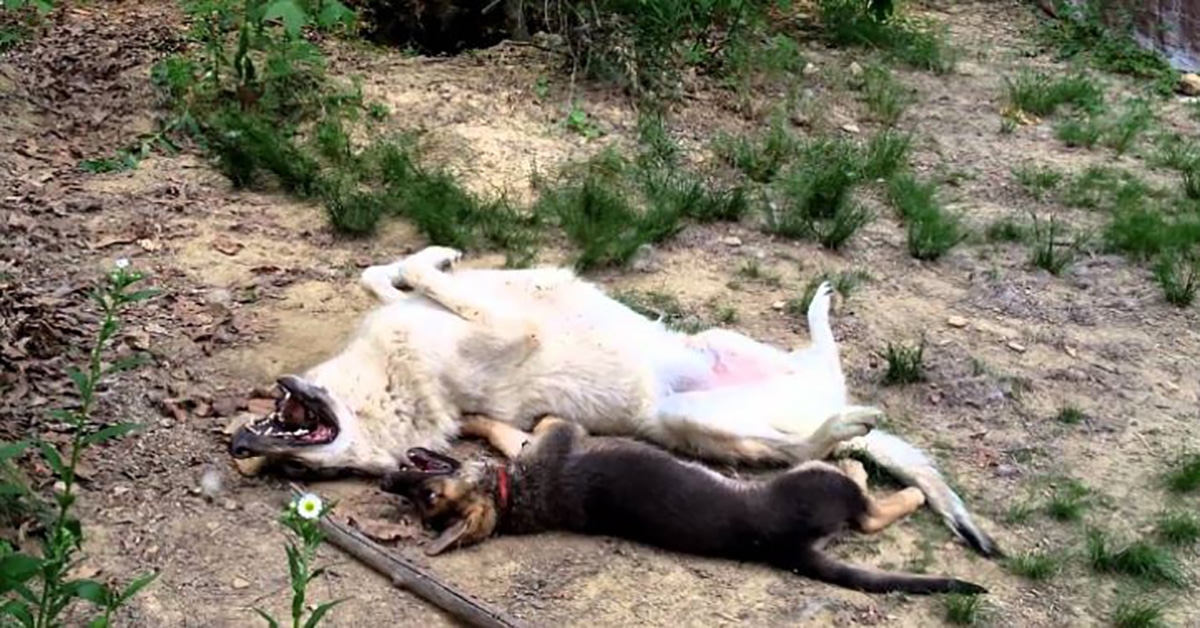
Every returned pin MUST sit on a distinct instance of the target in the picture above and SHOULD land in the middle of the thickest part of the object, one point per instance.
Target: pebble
(957, 322)
(241, 583)
(1189, 84)
(810, 69)
(852, 128)
(779, 305)
(1007, 471)
(855, 69)
(1016, 346)
(732, 241)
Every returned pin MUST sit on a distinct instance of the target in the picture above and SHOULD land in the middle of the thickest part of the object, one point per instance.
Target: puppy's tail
(912, 467)
(821, 567)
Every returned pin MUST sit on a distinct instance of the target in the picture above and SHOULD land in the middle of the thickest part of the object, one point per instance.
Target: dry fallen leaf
(227, 246)
(383, 530)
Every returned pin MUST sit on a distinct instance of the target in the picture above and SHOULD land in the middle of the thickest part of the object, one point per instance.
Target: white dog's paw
(855, 421)
(442, 258)
(821, 299)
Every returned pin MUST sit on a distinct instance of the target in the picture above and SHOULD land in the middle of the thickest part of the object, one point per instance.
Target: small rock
(1189, 84)
(957, 322)
(732, 241)
(855, 69)
(1016, 346)
(810, 69)
(240, 583)
(644, 260)
(851, 128)
(166, 424)
(230, 505)
(1070, 351)
(1007, 471)
(210, 483)
(779, 305)
(120, 490)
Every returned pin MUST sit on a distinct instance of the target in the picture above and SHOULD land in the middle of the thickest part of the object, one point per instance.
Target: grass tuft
(964, 610)
(1006, 230)
(1069, 501)
(1040, 94)
(1178, 528)
(1069, 415)
(1036, 566)
(921, 44)
(760, 157)
(932, 230)
(1184, 477)
(1140, 560)
(1179, 276)
(1038, 181)
(1050, 252)
(905, 364)
(1138, 613)
(886, 98)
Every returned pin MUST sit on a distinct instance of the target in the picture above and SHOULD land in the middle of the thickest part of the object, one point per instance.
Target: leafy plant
(918, 43)
(1082, 30)
(301, 518)
(38, 586)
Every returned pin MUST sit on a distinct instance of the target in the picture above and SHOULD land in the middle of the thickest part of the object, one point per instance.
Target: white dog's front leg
(385, 281)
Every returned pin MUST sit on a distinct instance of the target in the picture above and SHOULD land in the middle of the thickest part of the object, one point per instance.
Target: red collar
(502, 486)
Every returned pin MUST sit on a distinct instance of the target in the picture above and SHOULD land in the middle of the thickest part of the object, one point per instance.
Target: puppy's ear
(448, 537)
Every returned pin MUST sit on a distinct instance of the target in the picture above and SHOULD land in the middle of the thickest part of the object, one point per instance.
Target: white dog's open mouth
(297, 420)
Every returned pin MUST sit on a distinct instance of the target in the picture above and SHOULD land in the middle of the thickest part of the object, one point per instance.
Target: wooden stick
(405, 575)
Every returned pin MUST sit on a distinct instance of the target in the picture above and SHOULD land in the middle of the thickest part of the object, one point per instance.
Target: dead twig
(405, 575)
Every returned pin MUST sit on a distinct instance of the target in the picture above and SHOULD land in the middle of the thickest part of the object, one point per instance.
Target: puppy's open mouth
(429, 462)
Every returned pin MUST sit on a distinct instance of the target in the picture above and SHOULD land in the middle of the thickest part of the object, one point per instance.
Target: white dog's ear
(448, 537)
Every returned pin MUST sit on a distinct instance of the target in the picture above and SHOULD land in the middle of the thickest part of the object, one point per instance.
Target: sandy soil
(257, 286)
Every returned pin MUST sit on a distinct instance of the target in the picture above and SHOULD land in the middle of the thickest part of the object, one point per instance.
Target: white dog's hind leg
(764, 412)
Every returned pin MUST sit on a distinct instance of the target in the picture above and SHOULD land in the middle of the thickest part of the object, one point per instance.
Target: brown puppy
(564, 480)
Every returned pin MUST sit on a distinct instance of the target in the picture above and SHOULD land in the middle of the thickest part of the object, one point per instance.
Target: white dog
(517, 345)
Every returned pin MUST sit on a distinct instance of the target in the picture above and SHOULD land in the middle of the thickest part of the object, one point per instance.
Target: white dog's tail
(912, 467)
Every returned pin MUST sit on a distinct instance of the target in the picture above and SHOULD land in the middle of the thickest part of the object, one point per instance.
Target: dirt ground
(257, 285)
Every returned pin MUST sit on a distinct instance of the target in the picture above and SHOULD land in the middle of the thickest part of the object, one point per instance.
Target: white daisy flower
(123, 263)
(309, 506)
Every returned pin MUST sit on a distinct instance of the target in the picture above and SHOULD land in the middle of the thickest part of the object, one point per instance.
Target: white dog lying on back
(516, 345)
